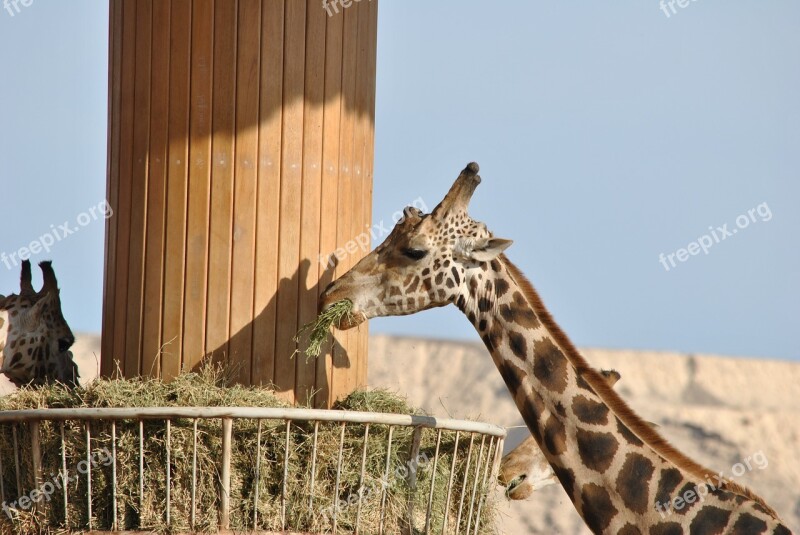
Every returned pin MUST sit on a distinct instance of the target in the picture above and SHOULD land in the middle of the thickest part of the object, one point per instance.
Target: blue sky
(607, 134)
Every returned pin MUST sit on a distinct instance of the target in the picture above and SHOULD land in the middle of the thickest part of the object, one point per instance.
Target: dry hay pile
(404, 508)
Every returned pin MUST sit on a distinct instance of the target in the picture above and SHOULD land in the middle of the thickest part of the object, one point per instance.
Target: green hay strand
(321, 327)
(405, 499)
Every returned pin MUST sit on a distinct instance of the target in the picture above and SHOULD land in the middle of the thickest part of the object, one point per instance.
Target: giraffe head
(525, 469)
(425, 262)
(34, 336)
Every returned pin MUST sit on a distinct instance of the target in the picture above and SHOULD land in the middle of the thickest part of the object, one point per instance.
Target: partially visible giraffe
(525, 469)
(34, 336)
(622, 477)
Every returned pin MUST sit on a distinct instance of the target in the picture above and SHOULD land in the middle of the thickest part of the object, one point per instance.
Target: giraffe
(621, 475)
(34, 337)
(524, 470)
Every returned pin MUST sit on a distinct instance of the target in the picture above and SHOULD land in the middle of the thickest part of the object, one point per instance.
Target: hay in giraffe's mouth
(514, 483)
(339, 314)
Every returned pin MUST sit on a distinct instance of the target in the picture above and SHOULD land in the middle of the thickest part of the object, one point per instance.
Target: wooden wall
(240, 152)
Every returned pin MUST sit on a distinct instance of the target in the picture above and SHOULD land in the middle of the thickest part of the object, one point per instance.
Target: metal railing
(466, 455)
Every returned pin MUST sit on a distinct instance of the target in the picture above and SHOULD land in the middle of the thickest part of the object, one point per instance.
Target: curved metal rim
(266, 413)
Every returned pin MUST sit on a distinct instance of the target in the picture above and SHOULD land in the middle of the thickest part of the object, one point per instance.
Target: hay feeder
(244, 469)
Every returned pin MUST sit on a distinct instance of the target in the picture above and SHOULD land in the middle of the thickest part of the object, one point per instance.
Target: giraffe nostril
(65, 343)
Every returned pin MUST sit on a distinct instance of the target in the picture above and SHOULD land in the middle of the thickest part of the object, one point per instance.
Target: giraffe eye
(415, 254)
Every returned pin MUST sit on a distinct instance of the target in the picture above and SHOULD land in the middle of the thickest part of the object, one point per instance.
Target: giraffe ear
(481, 250)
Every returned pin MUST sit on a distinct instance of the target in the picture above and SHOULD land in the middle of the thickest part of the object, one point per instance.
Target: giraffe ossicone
(622, 476)
(34, 336)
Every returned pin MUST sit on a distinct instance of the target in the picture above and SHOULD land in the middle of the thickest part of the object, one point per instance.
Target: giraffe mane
(618, 406)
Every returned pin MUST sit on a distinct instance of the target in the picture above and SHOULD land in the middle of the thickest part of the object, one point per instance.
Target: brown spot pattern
(666, 528)
(598, 511)
(555, 436)
(519, 312)
(627, 434)
(669, 479)
(500, 287)
(747, 524)
(687, 493)
(549, 365)
(597, 450)
(518, 345)
(633, 482)
(709, 520)
(589, 411)
(567, 479)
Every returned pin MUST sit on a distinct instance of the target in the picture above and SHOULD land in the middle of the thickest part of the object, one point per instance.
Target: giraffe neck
(614, 468)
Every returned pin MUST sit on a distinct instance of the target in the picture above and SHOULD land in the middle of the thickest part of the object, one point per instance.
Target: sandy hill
(718, 410)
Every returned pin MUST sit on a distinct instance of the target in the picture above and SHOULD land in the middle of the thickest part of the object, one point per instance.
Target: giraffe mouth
(348, 321)
(353, 319)
(514, 484)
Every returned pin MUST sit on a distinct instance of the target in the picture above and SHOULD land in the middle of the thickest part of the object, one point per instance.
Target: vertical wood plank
(330, 187)
(177, 180)
(369, 157)
(269, 188)
(344, 357)
(222, 180)
(141, 145)
(194, 312)
(246, 186)
(312, 188)
(123, 211)
(291, 177)
(112, 181)
(359, 219)
(156, 192)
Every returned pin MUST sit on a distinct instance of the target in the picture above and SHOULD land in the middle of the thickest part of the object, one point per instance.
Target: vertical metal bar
(464, 484)
(16, 460)
(483, 497)
(168, 478)
(2, 486)
(36, 454)
(225, 499)
(194, 472)
(285, 474)
(36, 457)
(475, 482)
(114, 475)
(433, 482)
(385, 482)
(64, 476)
(338, 473)
(141, 471)
(450, 484)
(361, 478)
(313, 467)
(89, 473)
(413, 454)
(258, 476)
(498, 457)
